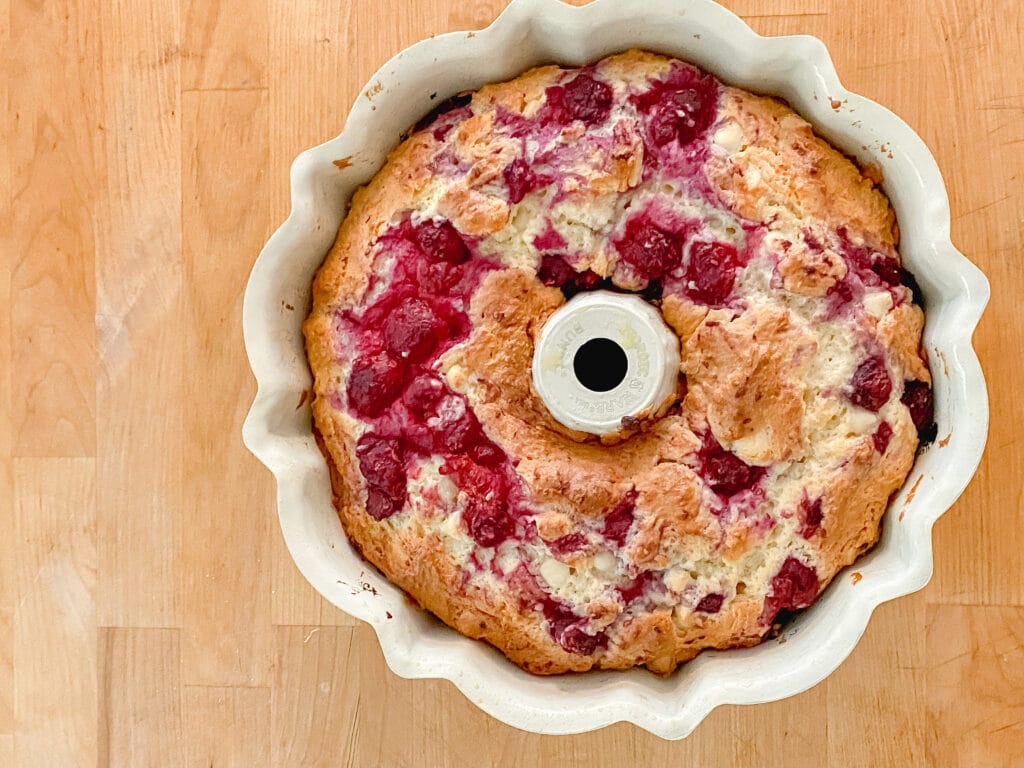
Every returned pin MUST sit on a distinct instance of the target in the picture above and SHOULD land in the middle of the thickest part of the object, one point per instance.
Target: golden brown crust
(783, 171)
(746, 377)
(810, 272)
(493, 369)
(750, 367)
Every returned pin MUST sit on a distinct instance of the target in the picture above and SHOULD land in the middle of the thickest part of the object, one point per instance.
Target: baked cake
(802, 397)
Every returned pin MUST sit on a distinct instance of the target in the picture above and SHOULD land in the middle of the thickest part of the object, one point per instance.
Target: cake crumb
(344, 162)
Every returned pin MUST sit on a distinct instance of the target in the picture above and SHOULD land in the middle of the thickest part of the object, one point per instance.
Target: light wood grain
(139, 320)
(139, 698)
(227, 727)
(149, 611)
(55, 660)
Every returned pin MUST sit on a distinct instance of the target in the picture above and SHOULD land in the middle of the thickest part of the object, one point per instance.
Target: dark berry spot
(869, 265)
(725, 472)
(483, 451)
(413, 330)
(437, 276)
(710, 603)
(489, 524)
(711, 272)
(681, 116)
(618, 522)
(811, 516)
(458, 431)
(423, 394)
(871, 386)
(374, 383)
(650, 250)
(882, 436)
(486, 491)
(575, 640)
(795, 586)
(440, 241)
(379, 505)
(557, 272)
(632, 591)
(887, 269)
(554, 271)
(520, 179)
(567, 629)
(587, 99)
(382, 462)
(918, 397)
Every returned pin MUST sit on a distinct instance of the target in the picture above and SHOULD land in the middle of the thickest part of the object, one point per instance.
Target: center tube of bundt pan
(605, 361)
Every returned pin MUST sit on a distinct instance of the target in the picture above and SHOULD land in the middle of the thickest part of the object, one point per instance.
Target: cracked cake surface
(803, 391)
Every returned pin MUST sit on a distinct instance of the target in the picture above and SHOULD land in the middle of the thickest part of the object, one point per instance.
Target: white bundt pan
(532, 32)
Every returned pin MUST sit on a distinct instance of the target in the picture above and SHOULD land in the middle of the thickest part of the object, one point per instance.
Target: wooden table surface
(149, 612)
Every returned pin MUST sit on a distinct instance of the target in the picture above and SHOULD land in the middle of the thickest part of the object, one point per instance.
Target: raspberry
(887, 269)
(555, 271)
(679, 107)
(711, 272)
(486, 512)
(489, 524)
(413, 330)
(382, 463)
(456, 428)
(650, 250)
(811, 514)
(710, 603)
(871, 385)
(727, 473)
(682, 116)
(618, 522)
(437, 276)
(520, 179)
(440, 241)
(374, 383)
(882, 436)
(587, 99)
(918, 397)
(423, 394)
(379, 505)
(566, 629)
(795, 586)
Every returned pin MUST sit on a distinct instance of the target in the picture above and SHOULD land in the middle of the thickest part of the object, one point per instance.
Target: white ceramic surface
(650, 351)
(531, 32)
